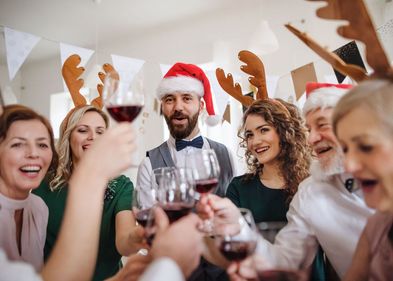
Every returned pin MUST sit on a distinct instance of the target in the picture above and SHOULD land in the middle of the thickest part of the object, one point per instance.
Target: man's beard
(181, 131)
(322, 170)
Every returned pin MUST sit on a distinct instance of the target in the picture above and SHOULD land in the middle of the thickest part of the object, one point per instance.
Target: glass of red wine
(269, 231)
(123, 98)
(142, 201)
(237, 240)
(175, 193)
(205, 171)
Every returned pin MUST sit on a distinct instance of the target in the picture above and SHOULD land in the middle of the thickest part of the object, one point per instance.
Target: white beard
(333, 167)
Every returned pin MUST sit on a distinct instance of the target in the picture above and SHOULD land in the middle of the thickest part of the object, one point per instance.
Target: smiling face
(368, 151)
(323, 141)
(262, 139)
(25, 156)
(181, 111)
(89, 127)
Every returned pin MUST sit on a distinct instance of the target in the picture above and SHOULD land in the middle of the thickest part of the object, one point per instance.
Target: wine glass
(175, 193)
(142, 201)
(237, 240)
(123, 98)
(269, 230)
(205, 171)
(157, 174)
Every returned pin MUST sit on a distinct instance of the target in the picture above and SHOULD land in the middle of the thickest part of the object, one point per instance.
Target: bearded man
(181, 92)
(328, 208)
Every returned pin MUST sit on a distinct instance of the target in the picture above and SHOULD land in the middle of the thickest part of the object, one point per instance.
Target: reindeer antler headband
(254, 67)
(71, 73)
(360, 28)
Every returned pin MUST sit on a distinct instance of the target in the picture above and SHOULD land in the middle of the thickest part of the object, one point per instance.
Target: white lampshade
(263, 40)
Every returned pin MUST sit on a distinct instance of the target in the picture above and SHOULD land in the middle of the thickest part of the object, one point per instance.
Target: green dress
(267, 204)
(118, 197)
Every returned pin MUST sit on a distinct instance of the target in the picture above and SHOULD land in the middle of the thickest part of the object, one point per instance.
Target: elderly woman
(119, 234)
(363, 124)
(26, 154)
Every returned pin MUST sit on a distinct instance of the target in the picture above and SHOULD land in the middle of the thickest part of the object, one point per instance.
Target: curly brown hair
(295, 153)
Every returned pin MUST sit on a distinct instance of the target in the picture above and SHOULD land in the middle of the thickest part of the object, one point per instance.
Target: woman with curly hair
(119, 234)
(278, 159)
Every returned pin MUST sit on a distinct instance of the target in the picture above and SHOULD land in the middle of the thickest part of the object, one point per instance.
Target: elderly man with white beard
(328, 209)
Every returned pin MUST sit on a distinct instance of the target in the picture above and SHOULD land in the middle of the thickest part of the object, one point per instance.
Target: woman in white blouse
(26, 153)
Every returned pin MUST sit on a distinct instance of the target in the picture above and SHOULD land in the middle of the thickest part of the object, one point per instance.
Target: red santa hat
(189, 78)
(323, 95)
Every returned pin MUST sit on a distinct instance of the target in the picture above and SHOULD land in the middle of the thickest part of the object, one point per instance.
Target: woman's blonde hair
(376, 96)
(64, 168)
(295, 153)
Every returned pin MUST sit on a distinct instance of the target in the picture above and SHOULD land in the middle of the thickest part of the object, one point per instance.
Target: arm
(129, 236)
(143, 181)
(360, 262)
(75, 252)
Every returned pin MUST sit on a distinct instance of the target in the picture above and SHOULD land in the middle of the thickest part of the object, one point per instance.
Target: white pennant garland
(127, 67)
(18, 46)
(67, 50)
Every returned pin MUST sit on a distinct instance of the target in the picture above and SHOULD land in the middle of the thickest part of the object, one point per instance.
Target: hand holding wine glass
(206, 171)
(123, 100)
(237, 240)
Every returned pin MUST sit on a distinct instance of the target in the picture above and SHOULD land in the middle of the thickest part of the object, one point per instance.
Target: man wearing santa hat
(184, 92)
(328, 208)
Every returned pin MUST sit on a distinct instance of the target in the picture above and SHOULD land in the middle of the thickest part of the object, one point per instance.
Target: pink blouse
(35, 219)
(381, 248)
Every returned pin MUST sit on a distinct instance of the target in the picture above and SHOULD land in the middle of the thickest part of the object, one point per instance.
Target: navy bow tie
(197, 142)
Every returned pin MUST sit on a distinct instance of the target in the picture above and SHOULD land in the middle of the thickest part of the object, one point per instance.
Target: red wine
(150, 238)
(282, 275)
(204, 186)
(237, 250)
(142, 216)
(176, 211)
(124, 112)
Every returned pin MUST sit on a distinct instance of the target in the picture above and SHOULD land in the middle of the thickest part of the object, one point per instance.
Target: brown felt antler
(355, 72)
(108, 68)
(71, 72)
(254, 67)
(360, 28)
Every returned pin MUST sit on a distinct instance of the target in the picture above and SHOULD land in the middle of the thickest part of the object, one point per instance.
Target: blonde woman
(119, 235)
(363, 124)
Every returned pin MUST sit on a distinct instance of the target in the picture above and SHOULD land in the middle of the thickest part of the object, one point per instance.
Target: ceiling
(101, 21)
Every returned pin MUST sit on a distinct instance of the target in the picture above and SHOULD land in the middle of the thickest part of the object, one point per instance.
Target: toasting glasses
(237, 240)
(124, 99)
(205, 171)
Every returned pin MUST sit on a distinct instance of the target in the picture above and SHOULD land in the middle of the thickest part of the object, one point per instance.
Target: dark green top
(267, 204)
(118, 196)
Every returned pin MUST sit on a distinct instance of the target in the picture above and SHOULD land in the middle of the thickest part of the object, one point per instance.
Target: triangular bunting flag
(300, 77)
(67, 50)
(18, 46)
(164, 68)
(227, 114)
(271, 84)
(221, 98)
(351, 55)
(127, 67)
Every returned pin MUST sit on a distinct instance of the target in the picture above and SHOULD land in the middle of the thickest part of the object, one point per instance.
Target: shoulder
(38, 206)
(216, 144)
(122, 181)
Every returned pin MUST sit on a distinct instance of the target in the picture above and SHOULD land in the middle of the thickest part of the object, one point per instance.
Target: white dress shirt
(143, 181)
(323, 212)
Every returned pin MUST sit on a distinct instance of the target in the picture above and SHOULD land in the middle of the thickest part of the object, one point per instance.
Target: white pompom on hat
(189, 78)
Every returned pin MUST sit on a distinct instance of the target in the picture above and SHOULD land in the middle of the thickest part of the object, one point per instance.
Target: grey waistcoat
(161, 157)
